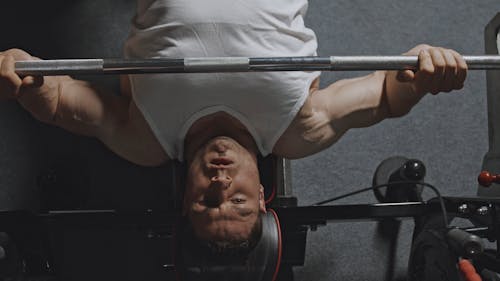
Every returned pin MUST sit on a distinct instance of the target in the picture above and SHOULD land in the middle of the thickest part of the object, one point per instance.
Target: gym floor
(447, 132)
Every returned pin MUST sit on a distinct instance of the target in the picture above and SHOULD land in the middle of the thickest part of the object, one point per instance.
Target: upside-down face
(223, 196)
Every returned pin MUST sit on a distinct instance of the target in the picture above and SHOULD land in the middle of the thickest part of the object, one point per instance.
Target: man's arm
(83, 109)
(365, 101)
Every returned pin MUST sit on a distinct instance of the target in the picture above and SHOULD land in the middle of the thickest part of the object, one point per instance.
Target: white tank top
(265, 102)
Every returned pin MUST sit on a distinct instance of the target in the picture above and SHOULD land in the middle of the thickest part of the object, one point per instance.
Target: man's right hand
(11, 85)
(37, 95)
(82, 108)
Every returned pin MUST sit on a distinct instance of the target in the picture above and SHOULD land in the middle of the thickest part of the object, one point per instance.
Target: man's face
(223, 195)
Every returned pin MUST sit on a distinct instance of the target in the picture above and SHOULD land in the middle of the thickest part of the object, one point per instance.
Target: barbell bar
(233, 64)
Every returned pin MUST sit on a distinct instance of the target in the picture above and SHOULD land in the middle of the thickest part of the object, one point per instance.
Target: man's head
(224, 198)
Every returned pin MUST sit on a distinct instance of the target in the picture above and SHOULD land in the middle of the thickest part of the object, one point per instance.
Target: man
(219, 123)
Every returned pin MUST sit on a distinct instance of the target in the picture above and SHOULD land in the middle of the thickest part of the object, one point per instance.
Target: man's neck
(213, 125)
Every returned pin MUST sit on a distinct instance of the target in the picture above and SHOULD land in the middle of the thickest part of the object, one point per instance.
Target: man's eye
(238, 200)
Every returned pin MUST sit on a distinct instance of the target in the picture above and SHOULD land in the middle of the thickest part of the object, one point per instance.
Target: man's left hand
(439, 70)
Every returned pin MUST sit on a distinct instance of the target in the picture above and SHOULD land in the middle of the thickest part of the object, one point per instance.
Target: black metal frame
(491, 161)
(29, 229)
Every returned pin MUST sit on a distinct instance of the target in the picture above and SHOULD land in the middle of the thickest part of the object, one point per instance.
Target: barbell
(233, 64)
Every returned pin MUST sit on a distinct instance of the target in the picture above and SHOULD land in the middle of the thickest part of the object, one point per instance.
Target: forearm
(355, 103)
(75, 105)
(87, 110)
(332, 111)
(400, 97)
(365, 101)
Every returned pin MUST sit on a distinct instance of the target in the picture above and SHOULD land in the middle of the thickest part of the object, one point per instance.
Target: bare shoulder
(309, 132)
(138, 141)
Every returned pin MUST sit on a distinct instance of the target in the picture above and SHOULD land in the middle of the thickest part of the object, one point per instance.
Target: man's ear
(262, 200)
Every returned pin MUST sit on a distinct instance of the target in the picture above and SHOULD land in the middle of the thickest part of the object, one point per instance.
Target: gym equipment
(25, 249)
(285, 229)
(233, 64)
(262, 263)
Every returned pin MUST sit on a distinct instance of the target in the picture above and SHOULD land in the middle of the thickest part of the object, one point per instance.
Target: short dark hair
(237, 247)
(231, 248)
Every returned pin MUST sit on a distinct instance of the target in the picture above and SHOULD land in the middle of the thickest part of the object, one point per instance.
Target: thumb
(32, 81)
(405, 76)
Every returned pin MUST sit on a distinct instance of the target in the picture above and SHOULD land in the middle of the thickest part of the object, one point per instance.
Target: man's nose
(215, 193)
(221, 181)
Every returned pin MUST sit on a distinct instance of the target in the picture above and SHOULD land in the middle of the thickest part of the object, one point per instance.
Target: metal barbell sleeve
(233, 64)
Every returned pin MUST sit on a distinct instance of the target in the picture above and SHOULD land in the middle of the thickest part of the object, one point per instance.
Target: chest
(224, 11)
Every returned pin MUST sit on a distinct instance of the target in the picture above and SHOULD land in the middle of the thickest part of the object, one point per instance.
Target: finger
(32, 81)
(461, 70)
(18, 54)
(7, 72)
(425, 71)
(425, 63)
(405, 76)
(417, 49)
(439, 70)
(450, 71)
